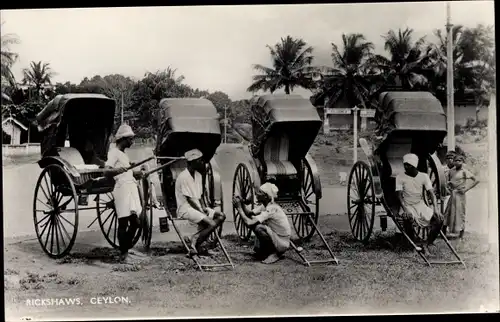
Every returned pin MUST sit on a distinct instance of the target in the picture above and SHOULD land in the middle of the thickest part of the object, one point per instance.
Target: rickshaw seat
(395, 154)
(177, 167)
(276, 157)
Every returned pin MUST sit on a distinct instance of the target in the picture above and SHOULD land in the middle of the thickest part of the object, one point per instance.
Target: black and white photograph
(249, 161)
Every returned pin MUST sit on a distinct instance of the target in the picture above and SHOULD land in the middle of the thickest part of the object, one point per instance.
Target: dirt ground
(380, 277)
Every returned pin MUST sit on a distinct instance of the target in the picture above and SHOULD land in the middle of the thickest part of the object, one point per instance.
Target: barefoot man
(269, 224)
(188, 193)
(409, 187)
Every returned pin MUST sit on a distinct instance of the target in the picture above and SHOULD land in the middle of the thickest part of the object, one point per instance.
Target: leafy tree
(36, 76)
(8, 58)
(148, 93)
(220, 101)
(407, 62)
(352, 76)
(473, 62)
(291, 61)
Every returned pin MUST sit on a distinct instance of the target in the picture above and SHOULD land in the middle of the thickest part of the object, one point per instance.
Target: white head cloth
(270, 189)
(411, 159)
(193, 154)
(124, 131)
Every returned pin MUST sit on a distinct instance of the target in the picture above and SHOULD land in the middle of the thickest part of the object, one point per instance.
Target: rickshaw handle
(172, 160)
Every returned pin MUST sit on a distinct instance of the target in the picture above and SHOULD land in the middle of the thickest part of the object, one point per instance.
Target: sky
(213, 47)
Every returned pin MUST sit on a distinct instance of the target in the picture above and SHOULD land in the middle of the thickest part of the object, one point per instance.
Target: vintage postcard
(250, 160)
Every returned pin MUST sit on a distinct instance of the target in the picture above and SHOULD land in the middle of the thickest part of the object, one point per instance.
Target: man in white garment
(269, 223)
(409, 188)
(188, 194)
(126, 194)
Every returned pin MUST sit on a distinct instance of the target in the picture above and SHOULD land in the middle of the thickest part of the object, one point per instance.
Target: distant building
(13, 128)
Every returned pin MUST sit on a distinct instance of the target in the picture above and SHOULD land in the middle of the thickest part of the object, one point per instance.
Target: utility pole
(492, 178)
(122, 108)
(355, 147)
(225, 123)
(449, 81)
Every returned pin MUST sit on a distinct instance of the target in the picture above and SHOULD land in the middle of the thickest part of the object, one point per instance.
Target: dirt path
(167, 284)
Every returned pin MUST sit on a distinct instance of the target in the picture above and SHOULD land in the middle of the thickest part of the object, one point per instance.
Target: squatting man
(269, 223)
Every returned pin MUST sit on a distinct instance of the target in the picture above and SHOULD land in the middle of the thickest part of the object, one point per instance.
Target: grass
(168, 283)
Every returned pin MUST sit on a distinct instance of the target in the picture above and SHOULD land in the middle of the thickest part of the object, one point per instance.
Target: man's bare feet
(191, 244)
(273, 258)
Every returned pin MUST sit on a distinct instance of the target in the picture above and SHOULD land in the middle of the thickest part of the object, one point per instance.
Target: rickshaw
(185, 124)
(284, 128)
(408, 122)
(71, 174)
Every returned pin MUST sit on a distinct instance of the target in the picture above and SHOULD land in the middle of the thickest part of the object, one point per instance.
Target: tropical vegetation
(356, 75)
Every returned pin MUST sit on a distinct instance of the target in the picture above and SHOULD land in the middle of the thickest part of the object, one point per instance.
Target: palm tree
(38, 75)
(473, 62)
(408, 63)
(352, 76)
(291, 67)
(8, 58)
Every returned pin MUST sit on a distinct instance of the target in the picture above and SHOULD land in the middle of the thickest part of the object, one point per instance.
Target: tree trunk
(287, 89)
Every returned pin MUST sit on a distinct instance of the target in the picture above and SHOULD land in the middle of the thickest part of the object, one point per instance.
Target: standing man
(188, 194)
(449, 165)
(269, 224)
(126, 192)
(460, 181)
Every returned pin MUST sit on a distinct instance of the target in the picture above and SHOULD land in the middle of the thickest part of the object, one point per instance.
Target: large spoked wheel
(242, 187)
(209, 197)
(432, 171)
(55, 211)
(108, 220)
(303, 227)
(361, 201)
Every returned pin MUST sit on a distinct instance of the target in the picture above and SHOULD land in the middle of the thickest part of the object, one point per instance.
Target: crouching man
(188, 194)
(269, 223)
(409, 187)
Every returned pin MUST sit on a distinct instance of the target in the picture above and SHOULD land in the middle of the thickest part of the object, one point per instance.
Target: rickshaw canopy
(278, 114)
(187, 123)
(87, 119)
(412, 114)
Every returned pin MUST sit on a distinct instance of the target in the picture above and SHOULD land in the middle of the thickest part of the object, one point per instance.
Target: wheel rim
(423, 232)
(361, 202)
(209, 197)
(302, 225)
(55, 211)
(147, 221)
(242, 187)
(108, 220)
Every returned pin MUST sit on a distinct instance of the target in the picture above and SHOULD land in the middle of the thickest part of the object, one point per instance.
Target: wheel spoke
(114, 231)
(46, 216)
(56, 226)
(62, 217)
(62, 237)
(48, 232)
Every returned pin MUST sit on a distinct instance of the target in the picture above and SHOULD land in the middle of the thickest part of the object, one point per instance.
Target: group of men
(414, 210)
(268, 221)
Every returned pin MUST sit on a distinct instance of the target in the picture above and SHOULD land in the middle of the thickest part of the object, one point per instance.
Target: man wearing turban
(188, 193)
(269, 223)
(126, 192)
(458, 179)
(409, 187)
